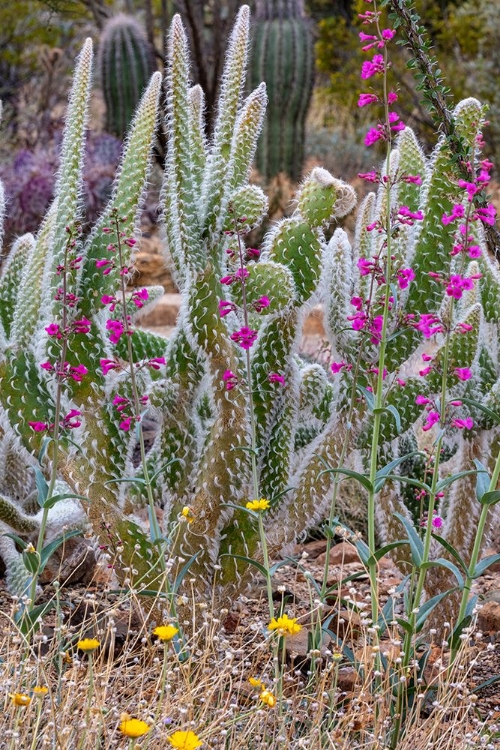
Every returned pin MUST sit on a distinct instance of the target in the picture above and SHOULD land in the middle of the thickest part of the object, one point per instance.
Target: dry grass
(209, 693)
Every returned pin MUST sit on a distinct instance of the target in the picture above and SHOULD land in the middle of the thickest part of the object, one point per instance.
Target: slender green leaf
(490, 498)
(428, 606)
(41, 485)
(416, 544)
(483, 565)
(51, 501)
(443, 563)
(453, 552)
(361, 478)
(483, 479)
(50, 548)
(249, 561)
(449, 480)
(180, 575)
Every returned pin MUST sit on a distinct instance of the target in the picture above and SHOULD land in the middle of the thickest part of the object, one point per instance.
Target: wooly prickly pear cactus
(238, 410)
(200, 396)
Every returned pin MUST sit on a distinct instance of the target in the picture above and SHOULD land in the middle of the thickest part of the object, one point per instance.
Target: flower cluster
(126, 410)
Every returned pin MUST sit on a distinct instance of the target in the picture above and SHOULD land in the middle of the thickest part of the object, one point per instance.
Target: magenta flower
(429, 325)
(374, 135)
(425, 371)
(357, 302)
(358, 321)
(388, 34)
(39, 426)
(53, 330)
(116, 328)
(261, 303)
(226, 280)
(426, 357)
(245, 337)
(107, 365)
(463, 424)
(372, 67)
(422, 400)
(120, 402)
(457, 212)
(103, 263)
(463, 327)
(368, 176)
(241, 274)
(405, 212)
(130, 242)
(155, 362)
(230, 380)
(77, 372)
(392, 97)
(437, 522)
(365, 99)
(413, 179)
(225, 307)
(139, 297)
(365, 266)
(275, 377)
(252, 252)
(405, 276)
(376, 328)
(474, 251)
(432, 419)
(463, 373)
(337, 366)
(69, 422)
(126, 424)
(486, 215)
(47, 366)
(458, 284)
(82, 326)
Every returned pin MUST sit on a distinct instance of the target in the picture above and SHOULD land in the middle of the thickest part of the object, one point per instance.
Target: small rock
(297, 649)
(488, 619)
(344, 622)
(347, 677)
(313, 549)
(164, 312)
(73, 562)
(340, 554)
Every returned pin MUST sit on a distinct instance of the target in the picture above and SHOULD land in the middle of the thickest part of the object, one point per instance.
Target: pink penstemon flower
(245, 337)
(230, 380)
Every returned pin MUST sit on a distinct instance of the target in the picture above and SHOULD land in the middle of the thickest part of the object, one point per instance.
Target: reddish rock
(488, 619)
(340, 554)
(313, 549)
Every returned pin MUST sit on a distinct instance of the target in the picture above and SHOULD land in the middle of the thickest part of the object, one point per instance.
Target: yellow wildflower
(88, 644)
(20, 699)
(255, 683)
(261, 504)
(134, 727)
(284, 625)
(40, 690)
(165, 632)
(268, 698)
(187, 513)
(184, 740)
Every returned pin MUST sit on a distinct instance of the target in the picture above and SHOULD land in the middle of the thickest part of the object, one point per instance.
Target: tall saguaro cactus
(126, 63)
(283, 56)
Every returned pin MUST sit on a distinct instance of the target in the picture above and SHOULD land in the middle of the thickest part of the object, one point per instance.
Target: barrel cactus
(283, 57)
(126, 63)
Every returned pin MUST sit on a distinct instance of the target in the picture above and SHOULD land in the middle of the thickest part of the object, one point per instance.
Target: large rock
(149, 263)
(340, 554)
